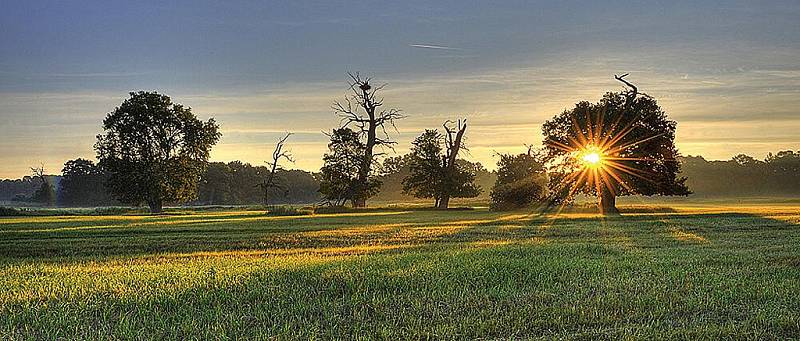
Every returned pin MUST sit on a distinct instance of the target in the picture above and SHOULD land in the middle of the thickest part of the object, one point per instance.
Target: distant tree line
(518, 177)
(778, 174)
(237, 183)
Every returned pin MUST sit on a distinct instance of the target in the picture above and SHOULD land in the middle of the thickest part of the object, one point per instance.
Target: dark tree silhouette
(362, 112)
(82, 184)
(521, 181)
(741, 176)
(232, 184)
(437, 173)
(271, 182)
(45, 194)
(340, 179)
(622, 145)
(457, 182)
(154, 150)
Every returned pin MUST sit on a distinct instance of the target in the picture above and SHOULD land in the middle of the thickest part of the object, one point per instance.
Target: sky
(727, 71)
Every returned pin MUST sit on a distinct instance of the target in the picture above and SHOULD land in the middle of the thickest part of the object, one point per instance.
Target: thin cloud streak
(435, 47)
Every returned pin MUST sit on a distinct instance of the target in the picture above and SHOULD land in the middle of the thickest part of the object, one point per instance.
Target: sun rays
(597, 154)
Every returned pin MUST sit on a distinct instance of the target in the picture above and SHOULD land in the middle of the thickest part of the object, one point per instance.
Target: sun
(591, 157)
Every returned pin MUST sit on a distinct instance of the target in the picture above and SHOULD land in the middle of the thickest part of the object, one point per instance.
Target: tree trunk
(155, 206)
(444, 202)
(359, 203)
(608, 203)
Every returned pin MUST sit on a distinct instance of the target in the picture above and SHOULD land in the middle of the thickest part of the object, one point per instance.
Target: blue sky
(728, 72)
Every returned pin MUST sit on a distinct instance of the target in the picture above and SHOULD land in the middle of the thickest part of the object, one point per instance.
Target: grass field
(706, 271)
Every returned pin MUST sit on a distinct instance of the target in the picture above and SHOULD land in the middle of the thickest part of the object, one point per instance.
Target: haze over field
(727, 72)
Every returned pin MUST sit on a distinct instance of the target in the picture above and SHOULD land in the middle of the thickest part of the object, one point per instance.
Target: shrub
(288, 211)
(9, 212)
(515, 195)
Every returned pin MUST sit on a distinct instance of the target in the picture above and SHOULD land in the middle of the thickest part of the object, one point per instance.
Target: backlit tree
(623, 145)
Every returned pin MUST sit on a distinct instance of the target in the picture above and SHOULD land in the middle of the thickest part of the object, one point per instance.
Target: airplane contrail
(433, 47)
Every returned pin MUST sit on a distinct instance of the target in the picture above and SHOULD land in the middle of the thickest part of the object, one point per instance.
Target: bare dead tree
(362, 111)
(271, 180)
(38, 172)
(454, 142)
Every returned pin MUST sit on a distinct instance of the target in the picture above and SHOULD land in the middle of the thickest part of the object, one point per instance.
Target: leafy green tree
(425, 167)
(154, 150)
(521, 181)
(82, 184)
(340, 179)
(435, 172)
(623, 145)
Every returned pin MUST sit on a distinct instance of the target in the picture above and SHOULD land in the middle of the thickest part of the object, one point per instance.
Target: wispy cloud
(434, 47)
(99, 74)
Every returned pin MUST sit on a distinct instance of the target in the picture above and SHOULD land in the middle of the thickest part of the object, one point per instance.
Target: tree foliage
(232, 184)
(362, 112)
(433, 174)
(83, 185)
(340, 179)
(521, 181)
(46, 193)
(635, 137)
(154, 150)
(777, 175)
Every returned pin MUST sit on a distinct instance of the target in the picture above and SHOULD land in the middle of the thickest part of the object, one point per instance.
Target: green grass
(703, 272)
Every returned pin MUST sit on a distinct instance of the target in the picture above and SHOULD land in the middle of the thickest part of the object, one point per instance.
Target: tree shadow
(62, 241)
(459, 281)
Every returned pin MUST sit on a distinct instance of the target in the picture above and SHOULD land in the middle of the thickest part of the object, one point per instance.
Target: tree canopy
(83, 184)
(340, 179)
(622, 145)
(521, 181)
(154, 150)
(435, 172)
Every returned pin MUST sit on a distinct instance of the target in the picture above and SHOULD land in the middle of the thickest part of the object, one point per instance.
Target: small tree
(45, 194)
(425, 167)
(362, 111)
(521, 181)
(623, 145)
(340, 175)
(154, 150)
(435, 172)
(271, 180)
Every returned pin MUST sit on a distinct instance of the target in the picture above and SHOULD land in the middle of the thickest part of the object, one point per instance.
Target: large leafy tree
(622, 145)
(154, 150)
(521, 181)
(434, 170)
(340, 179)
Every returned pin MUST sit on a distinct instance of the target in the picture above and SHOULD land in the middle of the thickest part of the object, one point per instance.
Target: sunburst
(597, 154)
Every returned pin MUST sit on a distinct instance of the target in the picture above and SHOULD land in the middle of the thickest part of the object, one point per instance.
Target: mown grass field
(702, 272)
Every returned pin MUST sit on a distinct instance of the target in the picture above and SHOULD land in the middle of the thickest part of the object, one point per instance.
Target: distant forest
(236, 183)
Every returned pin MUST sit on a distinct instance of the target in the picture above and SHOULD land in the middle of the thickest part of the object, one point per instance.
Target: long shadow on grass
(384, 233)
(553, 290)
